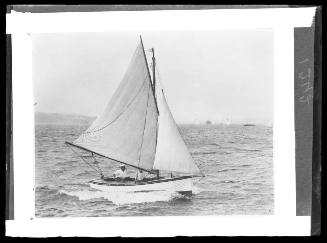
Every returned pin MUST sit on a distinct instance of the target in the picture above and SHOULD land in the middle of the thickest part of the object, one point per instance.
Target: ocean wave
(46, 190)
(228, 181)
(83, 173)
(246, 165)
(224, 152)
(215, 144)
(241, 149)
(42, 188)
(196, 153)
(226, 170)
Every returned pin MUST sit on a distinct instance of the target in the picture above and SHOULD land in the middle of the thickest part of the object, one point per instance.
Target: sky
(207, 75)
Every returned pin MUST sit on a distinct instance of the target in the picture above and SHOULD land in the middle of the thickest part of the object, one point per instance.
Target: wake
(123, 198)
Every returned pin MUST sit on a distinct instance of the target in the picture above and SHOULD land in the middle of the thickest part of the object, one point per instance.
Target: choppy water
(237, 162)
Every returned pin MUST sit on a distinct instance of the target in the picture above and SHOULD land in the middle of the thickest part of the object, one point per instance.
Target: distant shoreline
(62, 119)
(48, 118)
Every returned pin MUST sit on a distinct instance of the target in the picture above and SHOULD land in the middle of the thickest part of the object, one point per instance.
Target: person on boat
(139, 175)
(120, 174)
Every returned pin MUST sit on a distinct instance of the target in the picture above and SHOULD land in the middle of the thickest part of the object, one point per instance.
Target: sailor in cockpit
(139, 175)
(121, 174)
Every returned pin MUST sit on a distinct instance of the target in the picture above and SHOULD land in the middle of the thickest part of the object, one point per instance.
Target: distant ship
(248, 125)
(227, 121)
(137, 129)
(208, 122)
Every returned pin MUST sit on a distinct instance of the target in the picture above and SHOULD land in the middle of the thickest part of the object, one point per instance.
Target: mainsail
(127, 129)
(137, 127)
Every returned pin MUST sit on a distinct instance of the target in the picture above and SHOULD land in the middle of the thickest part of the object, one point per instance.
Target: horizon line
(202, 122)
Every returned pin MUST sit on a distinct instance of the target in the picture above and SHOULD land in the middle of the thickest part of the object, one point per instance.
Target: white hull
(180, 185)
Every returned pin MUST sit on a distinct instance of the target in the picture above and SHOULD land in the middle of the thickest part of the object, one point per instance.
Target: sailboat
(137, 129)
(227, 121)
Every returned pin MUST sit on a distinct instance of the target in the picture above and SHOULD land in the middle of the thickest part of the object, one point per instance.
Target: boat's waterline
(180, 185)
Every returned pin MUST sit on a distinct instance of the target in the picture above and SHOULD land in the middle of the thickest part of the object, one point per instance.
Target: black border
(317, 151)
(317, 127)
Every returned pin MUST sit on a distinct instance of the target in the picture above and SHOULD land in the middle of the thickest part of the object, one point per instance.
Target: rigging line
(146, 113)
(101, 155)
(159, 76)
(96, 163)
(97, 170)
(116, 118)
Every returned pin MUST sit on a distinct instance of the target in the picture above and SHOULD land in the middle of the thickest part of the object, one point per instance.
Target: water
(237, 162)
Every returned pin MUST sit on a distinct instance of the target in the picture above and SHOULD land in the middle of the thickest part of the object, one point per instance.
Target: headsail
(127, 129)
(172, 153)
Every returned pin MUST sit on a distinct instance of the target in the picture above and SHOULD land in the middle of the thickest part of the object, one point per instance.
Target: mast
(154, 73)
(154, 91)
(152, 83)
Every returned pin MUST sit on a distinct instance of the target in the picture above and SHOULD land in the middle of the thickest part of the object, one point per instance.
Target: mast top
(152, 49)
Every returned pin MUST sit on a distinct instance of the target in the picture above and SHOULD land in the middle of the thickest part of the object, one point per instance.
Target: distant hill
(67, 119)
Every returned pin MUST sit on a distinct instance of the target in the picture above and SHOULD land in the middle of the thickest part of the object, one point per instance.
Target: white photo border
(281, 20)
